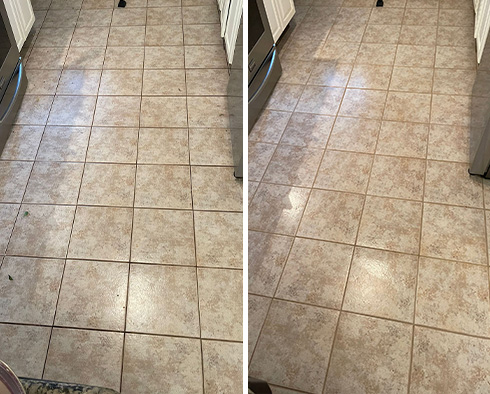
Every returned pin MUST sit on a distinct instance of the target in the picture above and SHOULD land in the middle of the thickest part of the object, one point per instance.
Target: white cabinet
(279, 14)
(232, 26)
(21, 17)
(482, 26)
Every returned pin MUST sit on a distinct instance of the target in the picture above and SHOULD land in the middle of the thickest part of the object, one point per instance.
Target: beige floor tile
(163, 112)
(43, 232)
(117, 58)
(13, 180)
(421, 17)
(64, 144)
(72, 111)
(85, 58)
(320, 100)
(54, 37)
(126, 36)
(456, 35)
(332, 216)
(284, 97)
(30, 297)
(34, 110)
(163, 237)
(129, 17)
(164, 16)
(454, 233)
(200, 14)
(453, 4)
(205, 56)
(54, 183)
(46, 58)
(202, 34)
(390, 225)
(353, 33)
(220, 303)
(380, 54)
(293, 165)
(353, 15)
(163, 146)
(408, 107)
(90, 37)
(277, 209)
(210, 147)
(422, 4)
(219, 239)
(109, 111)
(450, 183)
(267, 256)
(454, 81)
(163, 300)
(205, 82)
(451, 110)
(108, 184)
(42, 81)
(222, 364)
(164, 57)
(164, 35)
(257, 311)
(455, 17)
(85, 357)
(308, 130)
(369, 355)
(94, 17)
(24, 348)
(121, 83)
(455, 57)
(216, 189)
(101, 233)
(259, 156)
(252, 188)
(411, 79)
(97, 4)
(303, 363)
(370, 77)
(388, 16)
(351, 134)
(418, 35)
(381, 34)
(116, 145)
(363, 103)
(449, 143)
(415, 56)
(165, 83)
(448, 362)
(382, 284)
(316, 273)
(403, 139)
(154, 363)
(66, 4)
(79, 82)
(8, 214)
(453, 296)
(295, 71)
(93, 295)
(330, 74)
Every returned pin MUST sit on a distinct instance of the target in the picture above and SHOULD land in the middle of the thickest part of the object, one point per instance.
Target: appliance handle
(271, 60)
(17, 89)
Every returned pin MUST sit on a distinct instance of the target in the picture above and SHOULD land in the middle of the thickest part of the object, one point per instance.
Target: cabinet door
(273, 15)
(21, 17)
(286, 12)
(232, 25)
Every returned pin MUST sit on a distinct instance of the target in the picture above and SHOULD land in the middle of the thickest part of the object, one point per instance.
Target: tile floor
(368, 258)
(121, 217)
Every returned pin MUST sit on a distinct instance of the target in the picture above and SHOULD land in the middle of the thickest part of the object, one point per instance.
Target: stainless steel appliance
(264, 68)
(13, 82)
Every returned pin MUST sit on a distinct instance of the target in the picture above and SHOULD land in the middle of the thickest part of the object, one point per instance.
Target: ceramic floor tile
(210, 147)
(259, 156)
(85, 58)
(455, 17)
(54, 183)
(101, 233)
(116, 145)
(451, 110)
(202, 82)
(391, 225)
(316, 273)
(117, 58)
(94, 17)
(408, 107)
(202, 34)
(380, 54)
(164, 57)
(63, 143)
(163, 112)
(165, 83)
(320, 100)
(72, 111)
(54, 37)
(446, 362)
(43, 81)
(370, 77)
(330, 74)
(107, 184)
(126, 36)
(34, 110)
(163, 146)
(129, 17)
(449, 143)
(205, 56)
(79, 82)
(411, 79)
(381, 34)
(415, 56)
(284, 97)
(252, 188)
(164, 35)
(454, 233)
(8, 214)
(277, 209)
(353, 15)
(222, 364)
(303, 363)
(455, 35)
(46, 58)
(121, 83)
(257, 311)
(344, 171)
(24, 348)
(164, 16)
(308, 130)
(351, 134)
(295, 71)
(108, 111)
(219, 239)
(44, 231)
(332, 216)
(200, 14)
(216, 189)
(30, 297)
(403, 139)
(163, 237)
(173, 189)
(418, 35)
(85, 357)
(382, 284)
(163, 300)
(13, 180)
(361, 103)
(93, 295)
(90, 37)
(455, 57)
(369, 355)
(454, 81)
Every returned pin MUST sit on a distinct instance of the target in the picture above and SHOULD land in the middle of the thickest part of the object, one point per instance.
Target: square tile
(380, 54)
(8, 214)
(163, 237)
(200, 14)
(284, 97)
(370, 76)
(381, 34)
(455, 17)
(61, 143)
(454, 81)
(126, 36)
(110, 144)
(96, 17)
(202, 82)
(351, 134)
(44, 231)
(209, 112)
(54, 183)
(163, 112)
(90, 37)
(451, 110)
(202, 34)
(332, 216)
(164, 16)
(164, 57)
(121, 83)
(14, 176)
(303, 363)
(85, 357)
(210, 147)
(42, 81)
(85, 58)
(361, 103)
(277, 209)
(46, 58)
(109, 111)
(165, 83)
(369, 352)
(295, 71)
(108, 184)
(390, 225)
(164, 35)
(412, 79)
(34, 110)
(415, 55)
(326, 73)
(221, 303)
(93, 295)
(403, 139)
(147, 356)
(320, 100)
(453, 233)
(72, 111)
(218, 239)
(408, 107)
(101, 233)
(353, 33)
(54, 37)
(418, 35)
(222, 364)
(216, 189)
(259, 156)
(116, 58)
(163, 300)
(382, 284)
(30, 297)
(79, 82)
(316, 273)
(421, 17)
(205, 56)
(449, 143)
(455, 57)
(456, 35)
(257, 311)
(163, 146)
(308, 130)
(129, 17)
